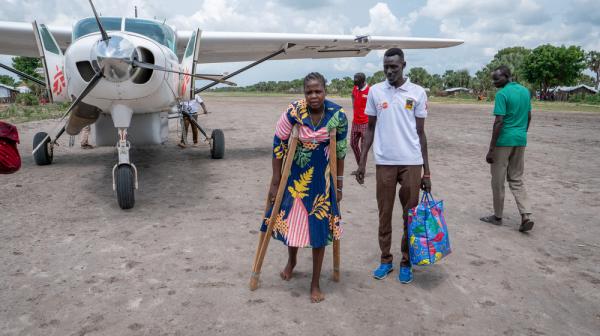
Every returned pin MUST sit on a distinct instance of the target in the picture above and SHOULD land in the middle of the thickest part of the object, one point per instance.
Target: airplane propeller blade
(102, 31)
(159, 68)
(84, 93)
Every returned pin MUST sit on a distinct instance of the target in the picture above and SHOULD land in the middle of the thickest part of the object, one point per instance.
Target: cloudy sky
(485, 26)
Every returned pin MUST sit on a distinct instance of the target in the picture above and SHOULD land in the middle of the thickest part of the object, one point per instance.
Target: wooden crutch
(263, 240)
(333, 172)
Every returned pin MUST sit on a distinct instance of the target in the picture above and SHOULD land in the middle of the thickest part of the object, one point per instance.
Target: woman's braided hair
(315, 76)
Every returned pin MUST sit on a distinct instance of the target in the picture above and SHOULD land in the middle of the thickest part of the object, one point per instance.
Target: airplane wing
(218, 47)
(17, 38)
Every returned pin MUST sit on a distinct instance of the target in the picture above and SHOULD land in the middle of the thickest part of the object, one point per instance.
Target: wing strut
(24, 75)
(282, 50)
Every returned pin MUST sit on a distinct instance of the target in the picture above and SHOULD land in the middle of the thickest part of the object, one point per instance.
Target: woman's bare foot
(315, 295)
(287, 272)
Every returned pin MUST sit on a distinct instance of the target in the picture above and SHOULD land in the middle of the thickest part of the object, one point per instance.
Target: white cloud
(382, 21)
(486, 26)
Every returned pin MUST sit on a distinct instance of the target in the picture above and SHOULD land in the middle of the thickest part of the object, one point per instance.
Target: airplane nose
(115, 57)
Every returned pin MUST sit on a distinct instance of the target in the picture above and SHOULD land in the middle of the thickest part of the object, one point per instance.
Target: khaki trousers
(186, 126)
(509, 163)
(85, 134)
(409, 178)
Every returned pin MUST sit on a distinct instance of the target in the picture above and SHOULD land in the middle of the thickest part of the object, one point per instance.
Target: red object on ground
(10, 160)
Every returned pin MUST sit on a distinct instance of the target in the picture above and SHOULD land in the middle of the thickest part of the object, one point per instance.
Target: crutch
(333, 171)
(263, 240)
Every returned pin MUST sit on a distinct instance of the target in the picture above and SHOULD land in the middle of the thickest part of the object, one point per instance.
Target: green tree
(436, 83)
(7, 80)
(482, 82)
(420, 76)
(593, 63)
(549, 66)
(460, 78)
(27, 65)
(587, 80)
(377, 77)
(513, 58)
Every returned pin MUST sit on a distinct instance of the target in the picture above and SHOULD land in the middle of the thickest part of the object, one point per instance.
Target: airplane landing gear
(217, 144)
(125, 186)
(44, 155)
(216, 139)
(124, 174)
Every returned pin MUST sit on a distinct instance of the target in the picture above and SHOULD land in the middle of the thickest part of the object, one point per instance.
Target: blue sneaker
(405, 276)
(382, 271)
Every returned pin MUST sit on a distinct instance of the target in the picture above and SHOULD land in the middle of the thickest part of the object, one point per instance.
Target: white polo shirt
(396, 139)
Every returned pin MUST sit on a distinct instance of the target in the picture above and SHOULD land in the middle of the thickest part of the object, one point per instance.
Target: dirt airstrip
(73, 263)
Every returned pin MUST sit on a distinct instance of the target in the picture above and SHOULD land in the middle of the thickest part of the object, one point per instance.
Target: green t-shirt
(513, 103)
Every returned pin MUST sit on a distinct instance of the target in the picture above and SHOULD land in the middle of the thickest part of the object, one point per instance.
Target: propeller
(84, 93)
(105, 36)
(214, 78)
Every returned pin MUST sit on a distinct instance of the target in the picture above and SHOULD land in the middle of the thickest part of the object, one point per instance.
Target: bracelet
(427, 175)
(340, 178)
(339, 189)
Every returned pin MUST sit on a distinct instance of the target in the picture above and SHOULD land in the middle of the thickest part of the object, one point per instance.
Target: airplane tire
(217, 149)
(45, 154)
(125, 181)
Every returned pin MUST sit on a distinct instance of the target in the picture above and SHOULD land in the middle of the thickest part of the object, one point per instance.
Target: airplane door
(188, 65)
(53, 62)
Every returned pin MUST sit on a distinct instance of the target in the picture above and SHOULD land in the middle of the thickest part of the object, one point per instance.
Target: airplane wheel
(125, 186)
(217, 149)
(44, 155)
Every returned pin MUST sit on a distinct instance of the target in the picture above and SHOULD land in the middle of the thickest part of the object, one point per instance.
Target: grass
(536, 105)
(17, 114)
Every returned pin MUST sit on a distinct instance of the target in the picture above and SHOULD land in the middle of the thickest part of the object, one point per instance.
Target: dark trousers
(409, 178)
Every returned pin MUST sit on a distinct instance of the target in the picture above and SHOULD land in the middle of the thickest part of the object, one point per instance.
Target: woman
(309, 214)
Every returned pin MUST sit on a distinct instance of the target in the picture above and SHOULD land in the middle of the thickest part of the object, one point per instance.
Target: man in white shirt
(397, 110)
(192, 107)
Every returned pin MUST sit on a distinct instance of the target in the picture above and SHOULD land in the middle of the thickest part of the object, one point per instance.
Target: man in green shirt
(507, 148)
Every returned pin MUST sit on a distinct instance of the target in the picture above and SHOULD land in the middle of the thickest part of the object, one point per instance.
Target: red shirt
(360, 102)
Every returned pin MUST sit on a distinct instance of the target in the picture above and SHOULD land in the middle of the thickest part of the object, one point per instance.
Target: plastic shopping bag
(427, 232)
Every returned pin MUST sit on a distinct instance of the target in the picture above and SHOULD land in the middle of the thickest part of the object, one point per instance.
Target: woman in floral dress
(309, 214)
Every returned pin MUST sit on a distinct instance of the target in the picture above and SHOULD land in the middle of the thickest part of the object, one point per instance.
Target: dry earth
(73, 263)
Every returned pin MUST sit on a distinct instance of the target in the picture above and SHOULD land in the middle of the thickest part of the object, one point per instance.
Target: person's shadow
(429, 277)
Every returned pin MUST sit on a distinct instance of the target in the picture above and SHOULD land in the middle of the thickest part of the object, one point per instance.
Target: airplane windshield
(89, 25)
(160, 33)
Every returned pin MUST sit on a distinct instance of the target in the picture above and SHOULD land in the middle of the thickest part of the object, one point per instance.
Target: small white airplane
(127, 75)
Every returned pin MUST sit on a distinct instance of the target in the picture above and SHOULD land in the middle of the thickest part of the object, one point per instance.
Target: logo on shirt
(409, 104)
(382, 106)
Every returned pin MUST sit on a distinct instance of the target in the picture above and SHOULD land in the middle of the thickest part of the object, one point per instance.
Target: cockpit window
(159, 32)
(89, 25)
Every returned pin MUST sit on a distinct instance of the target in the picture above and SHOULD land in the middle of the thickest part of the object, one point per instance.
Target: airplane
(126, 76)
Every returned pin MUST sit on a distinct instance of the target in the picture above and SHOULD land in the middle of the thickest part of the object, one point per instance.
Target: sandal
(492, 220)
(526, 225)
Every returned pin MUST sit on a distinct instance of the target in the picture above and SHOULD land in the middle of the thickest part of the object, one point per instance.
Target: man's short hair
(360, 75)
(504, 70)
(393, 52)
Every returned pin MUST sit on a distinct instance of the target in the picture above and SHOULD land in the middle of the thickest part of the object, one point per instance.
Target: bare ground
(73, 263)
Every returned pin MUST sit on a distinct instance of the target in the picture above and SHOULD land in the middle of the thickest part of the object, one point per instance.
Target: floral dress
(309, 215)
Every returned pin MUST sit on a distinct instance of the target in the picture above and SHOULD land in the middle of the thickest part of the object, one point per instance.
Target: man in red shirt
(360, 120)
